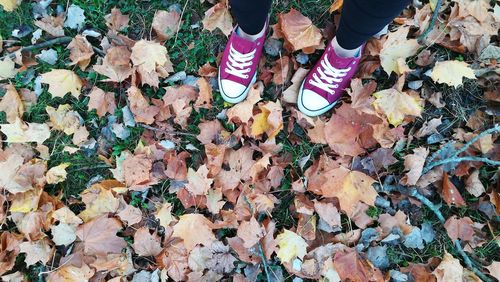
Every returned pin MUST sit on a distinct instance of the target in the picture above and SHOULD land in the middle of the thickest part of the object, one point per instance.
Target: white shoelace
(238, 63)
(329, 76)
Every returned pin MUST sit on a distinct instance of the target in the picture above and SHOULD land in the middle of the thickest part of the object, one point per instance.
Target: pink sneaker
(238, 67)
(324, 84)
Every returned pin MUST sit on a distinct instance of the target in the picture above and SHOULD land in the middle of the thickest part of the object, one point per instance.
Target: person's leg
(251, 15)
(361, 19)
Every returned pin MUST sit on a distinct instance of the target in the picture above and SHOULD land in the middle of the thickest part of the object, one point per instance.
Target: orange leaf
(450, 193)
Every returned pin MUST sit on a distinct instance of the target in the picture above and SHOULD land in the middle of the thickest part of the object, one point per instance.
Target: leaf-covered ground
(120, 161)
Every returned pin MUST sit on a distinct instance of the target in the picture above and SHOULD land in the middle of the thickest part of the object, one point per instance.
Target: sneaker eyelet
(310, 81)
(246, 76)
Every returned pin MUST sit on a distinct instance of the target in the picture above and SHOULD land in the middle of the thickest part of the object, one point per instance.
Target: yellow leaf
(396, 49)
(164, 214)
(190, 222)
(336, 5)
(19, 132)
(260, 125)
(395, 105)
(57, 174)
(7, 68)
(62, 81)
(147, 55)
(26, 202)
(451, 72)
(291, 245)
(9, 5)
(98, 201)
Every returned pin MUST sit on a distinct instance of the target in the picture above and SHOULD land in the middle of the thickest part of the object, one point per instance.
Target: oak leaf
(145, 243)
(189, 222)
(62, 81)
(99, 236)
(452, 72)
(218, 17)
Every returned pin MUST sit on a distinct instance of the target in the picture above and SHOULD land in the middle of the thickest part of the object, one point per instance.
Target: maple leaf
(299, 31)
(198, 181)
(116, 20)
(244, 111)
(290, 246)
(240, 162)
(361, 95)
(139, 105)
(20, 132)
(165, 24)
(449, 269)
(98, 200)
(130, 214)
(57, 174)
(351, 267)
(164, 214)
(269, 121)
(152, 61)
(36, 251)
(7, 69)
(214, 201)
(9, 5)
(116, 64)
(99, 236)
(451, 72)
(62, 81)
(11, 104)
(450, 193)
(459, 228)
(189, 222)
(145, 243)
(473, 185)
(80, 51)
(102, 102)
(250, 232)
(396, 105)
(218, 17)
(396, 49)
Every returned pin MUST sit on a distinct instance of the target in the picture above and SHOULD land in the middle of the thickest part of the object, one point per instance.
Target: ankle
(251, 37)
(343, 52)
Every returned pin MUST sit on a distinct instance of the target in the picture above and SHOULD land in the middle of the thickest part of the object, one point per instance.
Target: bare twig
(424, 34)
(434, 208)
(58, 40)
(461, 159)
(180, 21)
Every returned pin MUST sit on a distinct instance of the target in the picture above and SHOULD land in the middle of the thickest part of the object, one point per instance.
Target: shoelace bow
(329, 76)
(238, 63)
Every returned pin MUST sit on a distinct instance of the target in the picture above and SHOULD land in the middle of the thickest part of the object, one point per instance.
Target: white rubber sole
(308, 112)
(239, 98)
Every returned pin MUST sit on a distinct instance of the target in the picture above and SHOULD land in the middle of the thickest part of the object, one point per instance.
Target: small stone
(190, 80)
(176, 77)
(273, 47)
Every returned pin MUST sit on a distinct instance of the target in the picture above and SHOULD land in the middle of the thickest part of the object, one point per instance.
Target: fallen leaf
(396, 49)
(20, 132)
(116, 20)
(11, 104)
(38, 251)
(299, 31)
(292, 92)
(164, 214)
(9, 5)
(218, 17)
(459, 228)
(450, 193)
(63, 234)
(64, 118)
(198, 181)
(130, 214)
(361, 95)
(165, 24)
(429, 127)
(7, 69)
(244, 111)
(290, 246)
(140, 107)
(414, 164)
(57, 174)
(396, 105)
(99, 236)
(116, 64)
(451, 72)
(145, 243)
(351, 267)
(189, 222)
(80, 52)
(328, 212)
(473, 185)
(494, 269)
(99, 200)
(62, 81)
(336, 5)
(250, 232)
(449, 269)
(102, 102)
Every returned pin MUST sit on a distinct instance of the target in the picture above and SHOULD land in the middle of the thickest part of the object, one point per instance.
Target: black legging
(360, 19)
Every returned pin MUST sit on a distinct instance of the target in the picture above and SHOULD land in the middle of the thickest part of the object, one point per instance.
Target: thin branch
(494, 129)
(180, 21)
(58, 40)
(429, 28)
(434, 208)
(460, 159)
